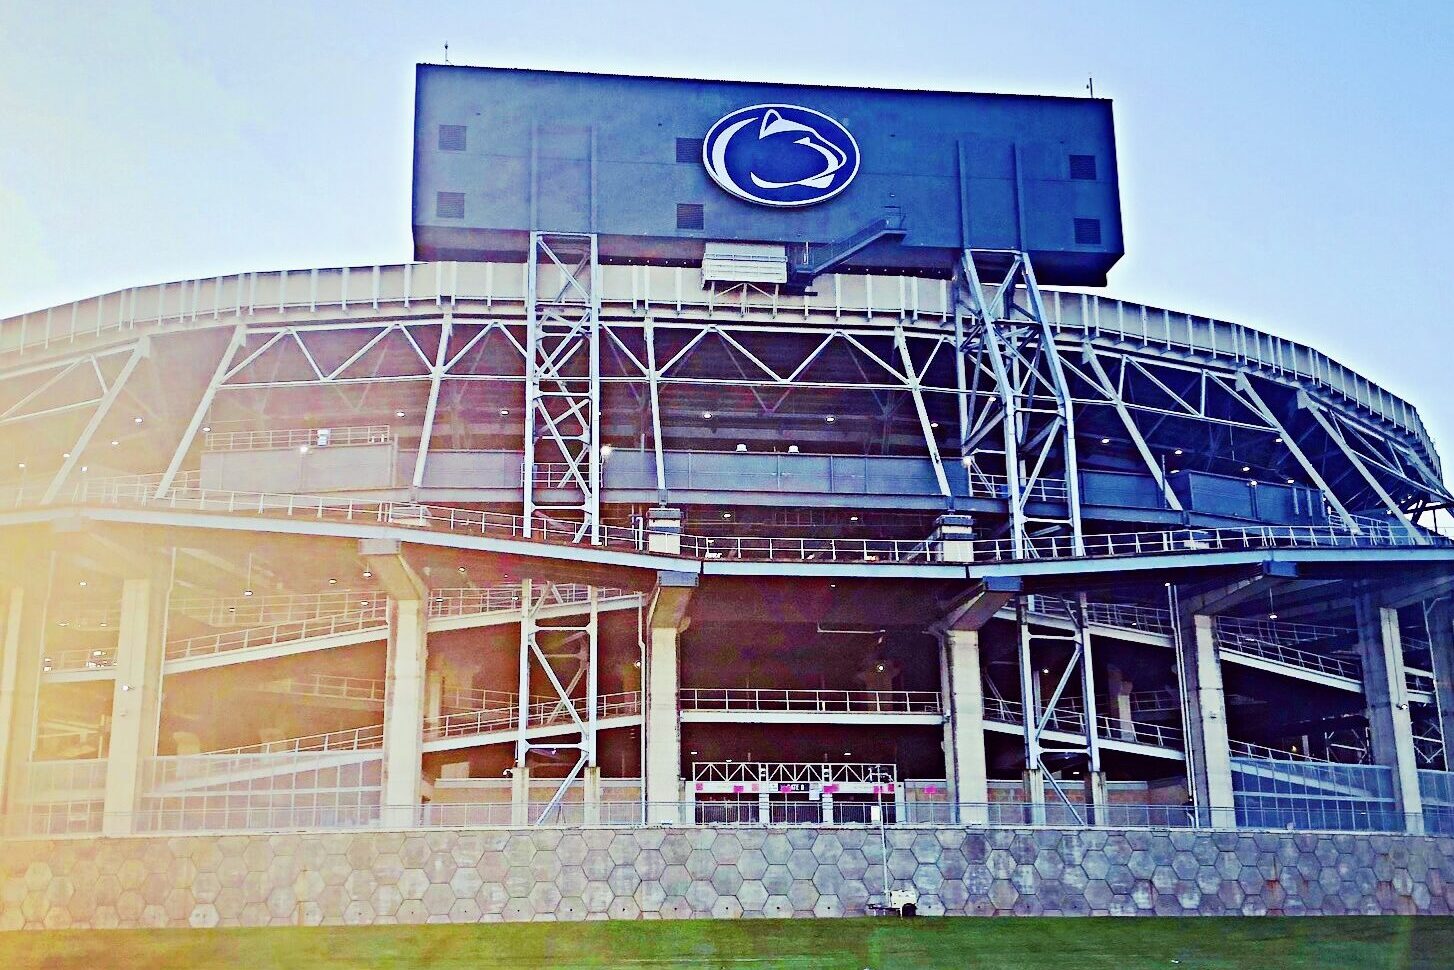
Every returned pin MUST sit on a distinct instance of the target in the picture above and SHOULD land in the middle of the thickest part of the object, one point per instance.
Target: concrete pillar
(433, 697)
(1441, 649)
(1385, 691)
(954, 533)
(1096, 796)
(404, 680)
(136, 697)
(962, 687)
(404, 711)
(664, 530)
(827, 803)
(1208, 749)
(1120, 689)
(663, 727)
(519, 797)
(663, 765)
(592, 796)
(764, 808)
(21, 650)
(1035, 795)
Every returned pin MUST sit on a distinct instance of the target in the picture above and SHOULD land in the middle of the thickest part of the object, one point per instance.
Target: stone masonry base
(488, 875)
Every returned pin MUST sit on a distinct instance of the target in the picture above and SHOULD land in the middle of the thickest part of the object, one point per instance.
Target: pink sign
(736, 789)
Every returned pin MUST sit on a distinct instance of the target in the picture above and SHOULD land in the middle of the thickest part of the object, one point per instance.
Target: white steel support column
(962, 687)
(1208, 748)
(136, 696)
(663, 768)
(1030, 404)
(1029, 709)
(545, 644)
(1095, 776)
(405, 681)
(431, 407)
(563, 383)
(1385, 690)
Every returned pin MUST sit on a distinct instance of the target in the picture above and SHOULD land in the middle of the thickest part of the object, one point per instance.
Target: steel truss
(1040, 711)
(563, 381)
(565, 650)
(1002, 326)
(1022, 389)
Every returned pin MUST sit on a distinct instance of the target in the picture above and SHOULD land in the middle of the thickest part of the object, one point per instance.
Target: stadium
(745, 505)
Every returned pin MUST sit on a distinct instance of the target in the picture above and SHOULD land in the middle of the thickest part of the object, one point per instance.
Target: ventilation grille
(449, 205)
(1087, 232)
(689, 216)
(1083, 167)
(451, 138)
(689, 149)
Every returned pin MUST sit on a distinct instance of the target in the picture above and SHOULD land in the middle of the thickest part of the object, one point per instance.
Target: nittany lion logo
(780, 154)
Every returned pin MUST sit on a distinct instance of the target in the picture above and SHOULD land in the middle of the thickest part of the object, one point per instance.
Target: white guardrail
(141, 492)
(759, 700)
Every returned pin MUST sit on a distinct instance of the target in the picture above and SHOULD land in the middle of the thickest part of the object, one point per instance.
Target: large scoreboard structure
(734, 457)
(909, 179)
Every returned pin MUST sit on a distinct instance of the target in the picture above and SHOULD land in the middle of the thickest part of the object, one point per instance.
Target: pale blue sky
(1286, 165)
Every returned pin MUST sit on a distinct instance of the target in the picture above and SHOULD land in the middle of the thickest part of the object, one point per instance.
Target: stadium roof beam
(1290, 442)
(140, 350)
(1114, 396)
(1312, 407)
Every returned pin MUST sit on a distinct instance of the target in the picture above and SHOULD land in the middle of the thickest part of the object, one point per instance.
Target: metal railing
(794, 773)
(998, 486)
(811, 549)
(375, 617)
(1108, 728)
(263, 608)
(78, 658)
(1280, 631)
(1131, 616)
(349, 739)
(755, 699)
(140, 492)
(1269, 649)
(538, 714)
(363, 689)
(1262, 752)
(466, 700)
(267, 440)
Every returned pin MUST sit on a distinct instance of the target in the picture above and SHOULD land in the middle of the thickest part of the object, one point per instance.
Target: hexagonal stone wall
(474, 876)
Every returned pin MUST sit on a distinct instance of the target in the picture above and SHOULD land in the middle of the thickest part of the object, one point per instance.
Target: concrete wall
(471, 876)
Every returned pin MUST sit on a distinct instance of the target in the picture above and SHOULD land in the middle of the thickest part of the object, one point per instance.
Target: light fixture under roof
(136, 420)
(829, 418)
(398, 414)
(1105, 441)
(368, 574)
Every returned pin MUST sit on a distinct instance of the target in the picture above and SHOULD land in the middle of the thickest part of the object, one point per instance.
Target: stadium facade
(745, 470)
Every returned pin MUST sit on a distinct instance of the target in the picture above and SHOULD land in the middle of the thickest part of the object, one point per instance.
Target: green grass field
(884, 944)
